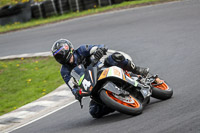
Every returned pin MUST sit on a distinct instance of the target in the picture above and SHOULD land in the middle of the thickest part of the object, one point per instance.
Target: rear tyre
(163, 91)
(128, 104)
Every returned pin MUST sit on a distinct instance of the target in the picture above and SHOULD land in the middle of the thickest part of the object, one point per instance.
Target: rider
(68, 57)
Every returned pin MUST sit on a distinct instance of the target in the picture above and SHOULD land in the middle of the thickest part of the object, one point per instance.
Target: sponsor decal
(116, 72)
(81, 79)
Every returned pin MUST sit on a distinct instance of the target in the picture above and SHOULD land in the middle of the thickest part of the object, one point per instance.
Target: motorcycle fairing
(86, 78)
(117, 72)
(131, 81)
(111, 87)
(113, 71)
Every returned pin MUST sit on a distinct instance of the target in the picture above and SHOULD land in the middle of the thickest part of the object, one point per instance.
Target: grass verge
(53, 19)
(25, 80)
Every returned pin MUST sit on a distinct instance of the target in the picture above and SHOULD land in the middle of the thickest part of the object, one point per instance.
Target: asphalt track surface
(164, 37)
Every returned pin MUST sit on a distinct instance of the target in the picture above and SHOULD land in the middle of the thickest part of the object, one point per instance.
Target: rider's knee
(97, 110)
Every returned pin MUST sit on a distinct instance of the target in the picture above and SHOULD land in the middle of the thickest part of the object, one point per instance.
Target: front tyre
(124, 104)
(162, 91)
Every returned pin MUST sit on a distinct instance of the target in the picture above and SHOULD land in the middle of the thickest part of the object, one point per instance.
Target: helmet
(62, 51)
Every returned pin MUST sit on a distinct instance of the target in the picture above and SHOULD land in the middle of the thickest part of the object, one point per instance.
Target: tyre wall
(24, 12)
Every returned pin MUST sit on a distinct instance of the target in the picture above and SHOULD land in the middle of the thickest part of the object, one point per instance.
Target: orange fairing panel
(112, 72)
(117, 72)
(124, 77)
(104, 74)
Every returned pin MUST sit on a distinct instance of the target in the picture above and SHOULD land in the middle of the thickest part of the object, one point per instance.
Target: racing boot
(140, 71)
(136, 69)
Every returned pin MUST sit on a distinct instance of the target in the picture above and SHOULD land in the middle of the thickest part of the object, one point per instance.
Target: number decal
(86, 84)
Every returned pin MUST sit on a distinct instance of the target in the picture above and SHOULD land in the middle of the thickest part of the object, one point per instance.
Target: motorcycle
(118, 89)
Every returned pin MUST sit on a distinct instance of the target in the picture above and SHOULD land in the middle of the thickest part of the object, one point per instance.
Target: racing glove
(100, 52)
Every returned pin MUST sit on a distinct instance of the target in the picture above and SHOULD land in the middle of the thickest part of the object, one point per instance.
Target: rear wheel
(125, 104)
(162, 91)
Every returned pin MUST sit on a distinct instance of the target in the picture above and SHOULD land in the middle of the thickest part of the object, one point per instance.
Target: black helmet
(62, 51)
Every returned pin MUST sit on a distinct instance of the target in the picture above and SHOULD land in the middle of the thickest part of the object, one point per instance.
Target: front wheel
(124, 104)
(162, 91)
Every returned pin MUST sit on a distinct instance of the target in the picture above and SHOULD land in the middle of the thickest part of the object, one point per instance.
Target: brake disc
(126, 99)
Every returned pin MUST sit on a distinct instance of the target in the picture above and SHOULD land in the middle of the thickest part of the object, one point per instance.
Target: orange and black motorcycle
(122, 91)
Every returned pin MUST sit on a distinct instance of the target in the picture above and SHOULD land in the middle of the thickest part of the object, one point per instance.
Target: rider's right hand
(100, 52)
(104, 49)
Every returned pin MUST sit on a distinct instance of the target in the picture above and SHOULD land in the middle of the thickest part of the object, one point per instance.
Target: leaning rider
(64, 53)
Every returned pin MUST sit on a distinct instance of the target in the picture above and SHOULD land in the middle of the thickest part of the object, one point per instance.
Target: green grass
(25, 80)
(32, 23)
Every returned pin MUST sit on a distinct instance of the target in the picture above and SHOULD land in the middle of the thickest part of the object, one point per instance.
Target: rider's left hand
(75, 91)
